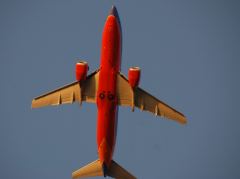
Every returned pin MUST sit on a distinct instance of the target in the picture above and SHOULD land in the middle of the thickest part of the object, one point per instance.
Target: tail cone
(105, 169)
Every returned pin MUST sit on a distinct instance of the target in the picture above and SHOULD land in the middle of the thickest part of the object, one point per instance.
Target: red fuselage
(106, 94)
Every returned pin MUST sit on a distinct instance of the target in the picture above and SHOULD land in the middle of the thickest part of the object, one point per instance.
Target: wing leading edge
(137, 97)
(76, 91)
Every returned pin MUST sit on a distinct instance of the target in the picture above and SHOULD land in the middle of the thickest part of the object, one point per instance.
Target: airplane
(108, 88)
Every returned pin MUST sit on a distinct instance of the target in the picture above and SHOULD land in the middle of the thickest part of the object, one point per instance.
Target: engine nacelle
(134, 76)
(81, 70)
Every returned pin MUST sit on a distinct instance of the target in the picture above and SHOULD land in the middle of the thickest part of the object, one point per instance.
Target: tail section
(97, 168)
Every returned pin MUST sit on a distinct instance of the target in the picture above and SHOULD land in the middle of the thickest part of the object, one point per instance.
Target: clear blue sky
(189, 54)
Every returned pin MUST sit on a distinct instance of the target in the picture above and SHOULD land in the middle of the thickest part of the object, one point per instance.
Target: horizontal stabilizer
(91, 170)
(116, 171)
(96, 169)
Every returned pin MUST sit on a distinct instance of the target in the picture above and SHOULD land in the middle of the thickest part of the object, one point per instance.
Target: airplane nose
(113, 11)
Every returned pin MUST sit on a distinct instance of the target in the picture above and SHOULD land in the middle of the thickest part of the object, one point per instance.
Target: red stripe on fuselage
(106, 94)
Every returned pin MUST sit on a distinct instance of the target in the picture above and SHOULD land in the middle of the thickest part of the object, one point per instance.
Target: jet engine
(81, 70)
(134, 76)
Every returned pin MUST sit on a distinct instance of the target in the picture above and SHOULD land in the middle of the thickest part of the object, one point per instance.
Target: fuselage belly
(106, 93)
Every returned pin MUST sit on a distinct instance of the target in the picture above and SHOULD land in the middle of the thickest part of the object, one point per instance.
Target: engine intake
(134, 76)
(81, 70)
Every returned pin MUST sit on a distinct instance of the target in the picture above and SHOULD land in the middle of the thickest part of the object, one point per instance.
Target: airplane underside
(108, 88)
